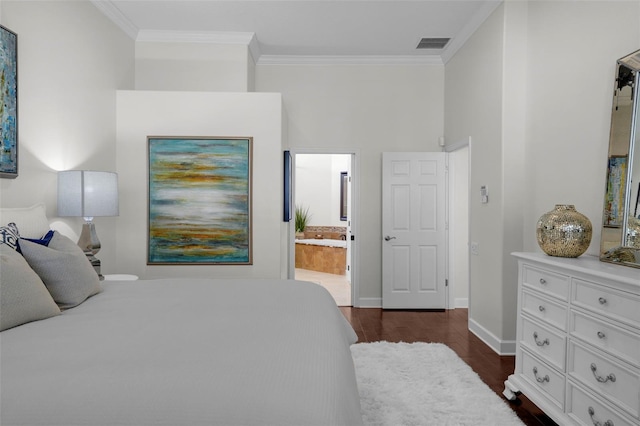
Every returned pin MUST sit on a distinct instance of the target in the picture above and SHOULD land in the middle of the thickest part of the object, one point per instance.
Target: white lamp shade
(85, 193)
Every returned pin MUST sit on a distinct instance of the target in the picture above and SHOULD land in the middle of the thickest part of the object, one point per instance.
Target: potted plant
(302, 219)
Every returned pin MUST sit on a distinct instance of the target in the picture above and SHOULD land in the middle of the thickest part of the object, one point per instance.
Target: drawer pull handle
(543, 281)
(541, 308)
(540, 379)
(592, 412)
(601, 379)
(602, 300)
(601, 335)
(538, 342)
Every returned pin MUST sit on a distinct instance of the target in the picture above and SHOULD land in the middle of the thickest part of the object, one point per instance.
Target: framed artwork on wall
(616, 187)
(288, 196)
(199, 206)
(9, 103)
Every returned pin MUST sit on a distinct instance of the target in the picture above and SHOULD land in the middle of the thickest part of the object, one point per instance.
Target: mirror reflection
(344, 187)
(621, 216)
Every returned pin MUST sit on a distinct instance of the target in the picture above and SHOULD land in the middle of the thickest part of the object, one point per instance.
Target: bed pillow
(44, 241)
(9, 235)
(23, 296)
(31, 221)
(64, 269)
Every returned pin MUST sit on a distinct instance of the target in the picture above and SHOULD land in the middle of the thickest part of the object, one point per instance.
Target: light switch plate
(475, 248)
(484, 194)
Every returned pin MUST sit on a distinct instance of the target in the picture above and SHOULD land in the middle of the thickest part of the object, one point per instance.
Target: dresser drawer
(545, 281)
(545, 310)
(616, 382)
(548, 380)
(584, 408)
(606, 336)
(544, 342)
(606, 301)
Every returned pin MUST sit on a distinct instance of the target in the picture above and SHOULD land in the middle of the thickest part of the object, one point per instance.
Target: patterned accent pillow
(44, 241)
(9, 235)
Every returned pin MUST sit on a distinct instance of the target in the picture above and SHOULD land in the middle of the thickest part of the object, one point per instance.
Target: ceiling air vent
(433, 43)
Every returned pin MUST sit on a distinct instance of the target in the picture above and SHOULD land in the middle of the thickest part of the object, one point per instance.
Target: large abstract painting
(200, 200)
(9, 103)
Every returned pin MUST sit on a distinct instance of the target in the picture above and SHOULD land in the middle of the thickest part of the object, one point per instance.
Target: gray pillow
(63, 268)
(23, 296)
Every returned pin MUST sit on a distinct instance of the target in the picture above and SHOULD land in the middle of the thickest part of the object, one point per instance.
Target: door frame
(353, 214)
(449, 148)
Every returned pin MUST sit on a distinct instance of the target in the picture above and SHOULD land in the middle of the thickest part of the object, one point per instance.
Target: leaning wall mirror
(620, 241)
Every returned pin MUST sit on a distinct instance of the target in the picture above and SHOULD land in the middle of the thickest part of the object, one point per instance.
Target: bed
(180, 352)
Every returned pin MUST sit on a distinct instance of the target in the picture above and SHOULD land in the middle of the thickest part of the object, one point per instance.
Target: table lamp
(87, 194)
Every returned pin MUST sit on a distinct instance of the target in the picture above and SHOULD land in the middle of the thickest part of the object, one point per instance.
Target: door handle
(388, 238)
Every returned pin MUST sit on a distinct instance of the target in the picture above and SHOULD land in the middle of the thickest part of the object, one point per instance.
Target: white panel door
(414, 230)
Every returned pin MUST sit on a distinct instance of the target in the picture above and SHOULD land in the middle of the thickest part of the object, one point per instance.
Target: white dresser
(578, 340)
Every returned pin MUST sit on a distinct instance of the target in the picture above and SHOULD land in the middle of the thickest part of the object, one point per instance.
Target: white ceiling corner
(467, 31)
(254, 49)
(112, 12)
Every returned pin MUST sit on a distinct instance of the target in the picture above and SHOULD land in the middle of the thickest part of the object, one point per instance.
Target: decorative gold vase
(564, 232)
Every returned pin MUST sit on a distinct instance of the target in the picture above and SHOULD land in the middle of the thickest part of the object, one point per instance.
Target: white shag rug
(422, 384)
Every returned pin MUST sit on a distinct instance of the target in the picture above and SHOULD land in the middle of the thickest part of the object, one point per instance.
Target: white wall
(569, 110)
(369, 108)
(190, 66)
(317, 186)
(532, 88)
(473, 107)
(144, 113)
(71, 60)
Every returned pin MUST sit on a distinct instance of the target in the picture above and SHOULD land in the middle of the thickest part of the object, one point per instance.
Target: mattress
(184, 352)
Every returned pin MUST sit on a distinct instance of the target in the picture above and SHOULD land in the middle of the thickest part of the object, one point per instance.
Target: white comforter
(184, 352)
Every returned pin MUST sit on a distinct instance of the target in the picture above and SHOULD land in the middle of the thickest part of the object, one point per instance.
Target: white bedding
(184, 352)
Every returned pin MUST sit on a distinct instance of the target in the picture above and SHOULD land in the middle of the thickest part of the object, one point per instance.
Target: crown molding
(112, 12)
(254, 49)
(175, 36)
(469, 29)
(349, 60)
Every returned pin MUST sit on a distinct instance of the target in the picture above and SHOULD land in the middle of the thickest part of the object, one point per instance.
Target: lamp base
(90, 245)
(95, 262)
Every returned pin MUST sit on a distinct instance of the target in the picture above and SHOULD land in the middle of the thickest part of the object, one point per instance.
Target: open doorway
(459, 172)
(322, 196)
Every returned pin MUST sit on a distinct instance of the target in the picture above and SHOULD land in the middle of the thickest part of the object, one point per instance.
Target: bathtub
(322, 255)
(323, 242)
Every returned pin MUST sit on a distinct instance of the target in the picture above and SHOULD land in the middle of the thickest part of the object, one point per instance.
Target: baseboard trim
(376, 302)
(369, 302)
(501, 347)
(461, 302)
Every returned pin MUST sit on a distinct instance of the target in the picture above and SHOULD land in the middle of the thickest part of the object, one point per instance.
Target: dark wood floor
(451, 328)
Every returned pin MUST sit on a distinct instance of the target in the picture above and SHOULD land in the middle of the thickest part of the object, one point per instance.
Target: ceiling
(352, 29)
